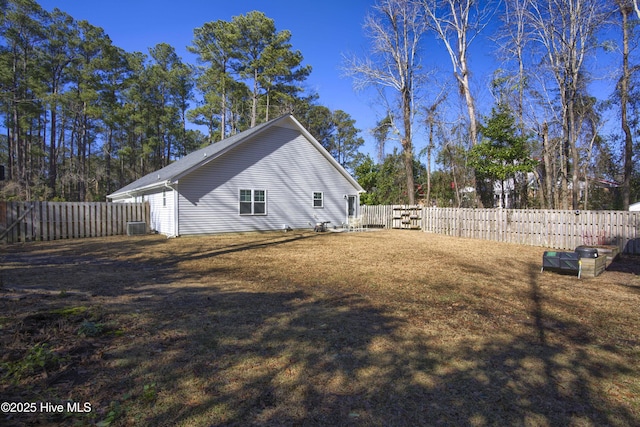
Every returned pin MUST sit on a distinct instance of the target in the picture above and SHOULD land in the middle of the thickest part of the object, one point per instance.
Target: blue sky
(322, 31)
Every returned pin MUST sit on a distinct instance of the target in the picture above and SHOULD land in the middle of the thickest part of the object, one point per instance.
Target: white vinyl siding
(280, 161)
(162, 209)
(161, 204)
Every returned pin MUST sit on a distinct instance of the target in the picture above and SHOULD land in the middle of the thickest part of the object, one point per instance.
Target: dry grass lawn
(385, 328)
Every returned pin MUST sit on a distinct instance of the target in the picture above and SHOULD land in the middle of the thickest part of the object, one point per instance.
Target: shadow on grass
(220, 353)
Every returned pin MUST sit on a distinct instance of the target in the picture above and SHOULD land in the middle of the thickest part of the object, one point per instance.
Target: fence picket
(75, 209)
(556, 229)
(12, 216)
(41, 221)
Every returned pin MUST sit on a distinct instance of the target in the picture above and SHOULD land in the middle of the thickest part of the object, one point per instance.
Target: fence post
(557, 229)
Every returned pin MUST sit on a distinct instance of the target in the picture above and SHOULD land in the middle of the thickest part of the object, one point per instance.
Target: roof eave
(206, 159)
(139, 190)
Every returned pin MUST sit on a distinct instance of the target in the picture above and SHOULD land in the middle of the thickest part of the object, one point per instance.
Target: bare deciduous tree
(431, 121)
(395, 28)
(457, 23)
(565, 29)
(623, 90)
(513, 40)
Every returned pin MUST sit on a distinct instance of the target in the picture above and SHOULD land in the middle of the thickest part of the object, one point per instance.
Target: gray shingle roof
(170, 172)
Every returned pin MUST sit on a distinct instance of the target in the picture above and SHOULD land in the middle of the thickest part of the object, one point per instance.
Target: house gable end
(283, 163)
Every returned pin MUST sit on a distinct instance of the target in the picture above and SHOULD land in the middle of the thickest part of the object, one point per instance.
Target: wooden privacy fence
(377, 215)
(37, 221)
(558, 229)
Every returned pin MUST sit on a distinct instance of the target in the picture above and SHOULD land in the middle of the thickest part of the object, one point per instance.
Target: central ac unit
(136, 228)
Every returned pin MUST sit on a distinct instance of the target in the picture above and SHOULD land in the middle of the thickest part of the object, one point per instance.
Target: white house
(635, 207)
(270, 177)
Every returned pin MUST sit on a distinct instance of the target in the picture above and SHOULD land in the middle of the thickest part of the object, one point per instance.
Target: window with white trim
(253, 202)
(318, 199)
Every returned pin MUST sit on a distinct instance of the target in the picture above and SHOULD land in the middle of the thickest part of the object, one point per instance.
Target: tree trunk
(541, 185)
(14, 141)
(429, 148)
(455, 185)
(167, 142)
(549, 175)
(624, 100)
(463, 80)
(407, 145)
(53, 172)
(266, 114)
(107, 153)
(565, 154)
(223, 108)
(82, 154)
(254, 104)
(575, 158)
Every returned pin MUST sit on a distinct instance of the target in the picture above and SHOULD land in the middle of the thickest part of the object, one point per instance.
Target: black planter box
(561, 261)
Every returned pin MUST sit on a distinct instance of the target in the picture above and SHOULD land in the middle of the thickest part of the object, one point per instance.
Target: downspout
(346, 209)
(176, 226)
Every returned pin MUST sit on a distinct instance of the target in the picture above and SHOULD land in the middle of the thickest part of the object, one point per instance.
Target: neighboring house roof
(171, 174)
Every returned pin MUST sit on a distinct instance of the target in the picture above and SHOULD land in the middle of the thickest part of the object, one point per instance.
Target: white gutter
(176, 210)
(132, 193)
